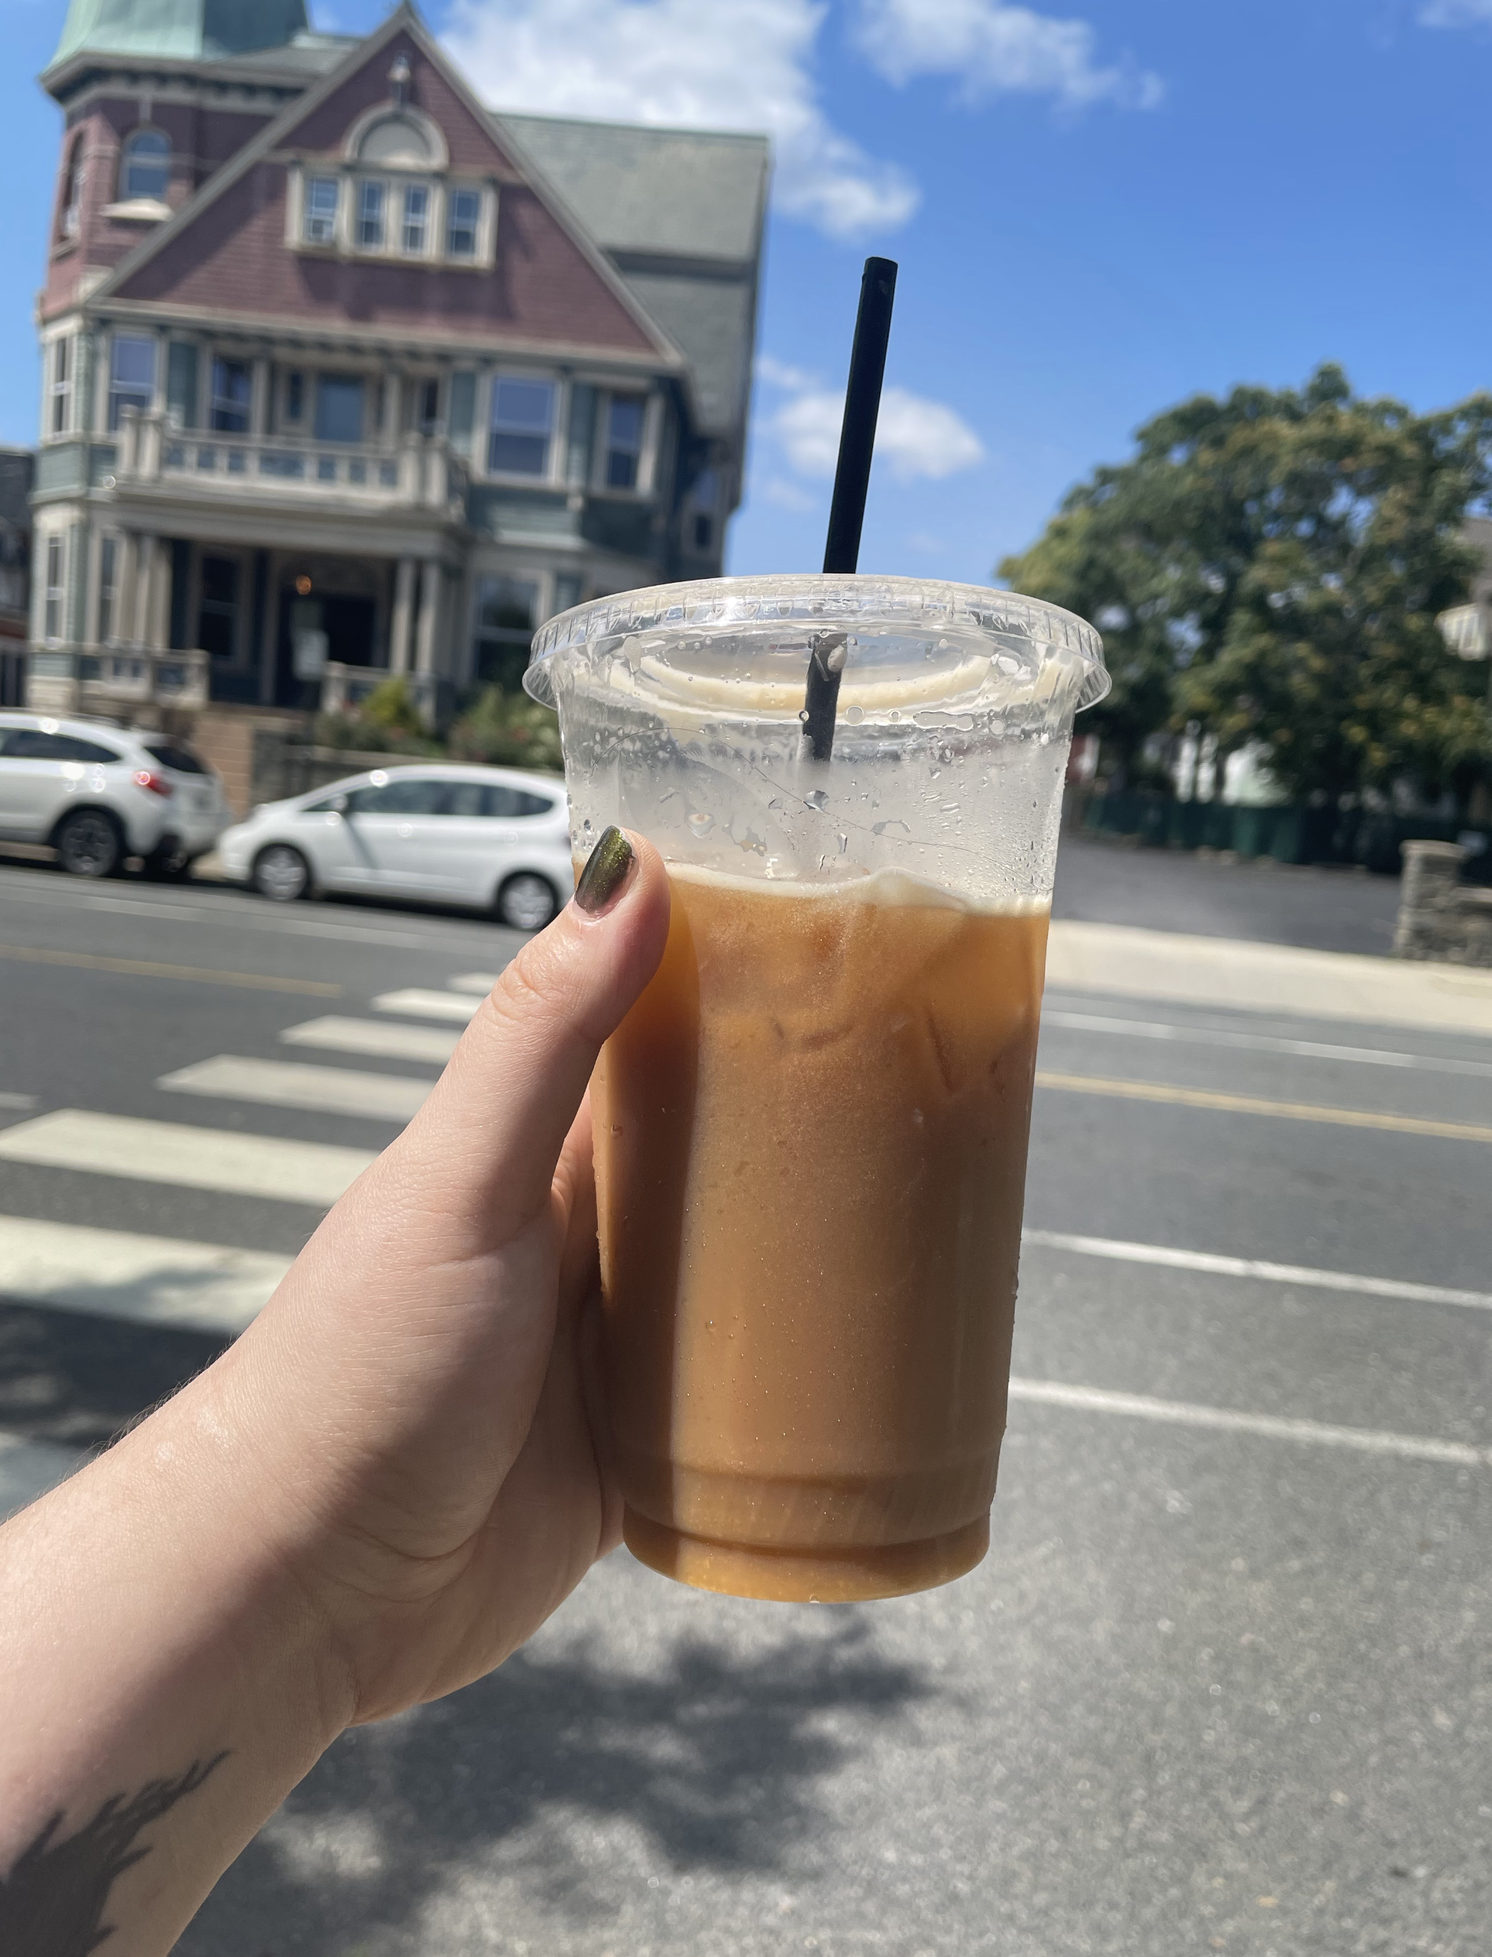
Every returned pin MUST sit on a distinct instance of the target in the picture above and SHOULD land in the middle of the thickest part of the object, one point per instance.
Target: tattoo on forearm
(52, 1903)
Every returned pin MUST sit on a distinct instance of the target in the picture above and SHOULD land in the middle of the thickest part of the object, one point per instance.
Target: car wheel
(526, 902)
(281, 873)
(89, 843)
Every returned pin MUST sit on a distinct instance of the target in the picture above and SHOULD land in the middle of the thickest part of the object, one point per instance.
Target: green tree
(1271, 566)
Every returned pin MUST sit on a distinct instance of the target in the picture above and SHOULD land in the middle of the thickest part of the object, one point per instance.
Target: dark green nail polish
(605, 871)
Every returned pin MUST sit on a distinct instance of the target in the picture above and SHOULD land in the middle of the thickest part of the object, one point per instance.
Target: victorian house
(344, 374)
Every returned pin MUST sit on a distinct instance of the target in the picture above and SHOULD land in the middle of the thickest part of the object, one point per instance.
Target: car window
(32, 744)
(514, 802)
(410, 796)
(467, 798)
(330, 804)
(180, 760)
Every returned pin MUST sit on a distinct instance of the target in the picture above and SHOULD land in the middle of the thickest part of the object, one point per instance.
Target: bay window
(61, 387)
(522, 427)
(624, 421)
(131, 377)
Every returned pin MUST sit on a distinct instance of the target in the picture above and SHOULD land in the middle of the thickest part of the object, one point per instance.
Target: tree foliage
(1271, 566)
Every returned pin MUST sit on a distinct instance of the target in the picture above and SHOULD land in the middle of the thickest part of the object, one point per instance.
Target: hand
(419, 1396)
(372, 1498)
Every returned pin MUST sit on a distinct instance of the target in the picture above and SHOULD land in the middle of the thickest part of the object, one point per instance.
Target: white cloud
(699, 64)
(998, 49)
(914, 437)
(788, 496)
(1455, 13)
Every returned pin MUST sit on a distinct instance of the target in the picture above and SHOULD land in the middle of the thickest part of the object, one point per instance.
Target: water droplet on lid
(854, 715)
(817, 798)
(701, 824)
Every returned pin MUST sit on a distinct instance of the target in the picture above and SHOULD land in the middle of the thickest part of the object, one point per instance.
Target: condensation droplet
(701, 824)
(854, 715)
(817, 798)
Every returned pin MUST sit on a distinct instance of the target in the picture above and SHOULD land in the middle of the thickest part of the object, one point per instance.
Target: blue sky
(1096, 211)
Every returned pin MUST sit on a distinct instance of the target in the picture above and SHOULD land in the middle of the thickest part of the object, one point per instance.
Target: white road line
(375, 1036)
(315, 1173)
(1371, 1056)
(148, 1280)
(1274, 1427)
(1250, 1267)
(30, 1468)
(482, 982)
(416, 1003)
(287, 1084)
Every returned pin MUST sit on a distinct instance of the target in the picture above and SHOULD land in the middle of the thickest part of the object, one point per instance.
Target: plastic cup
(811, 1130)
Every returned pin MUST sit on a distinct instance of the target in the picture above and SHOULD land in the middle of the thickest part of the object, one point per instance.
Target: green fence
(1290, 834)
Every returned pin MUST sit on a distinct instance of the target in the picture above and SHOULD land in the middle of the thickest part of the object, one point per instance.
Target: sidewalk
(1267, 978)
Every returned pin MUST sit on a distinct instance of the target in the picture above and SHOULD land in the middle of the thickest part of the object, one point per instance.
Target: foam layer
(884, 887)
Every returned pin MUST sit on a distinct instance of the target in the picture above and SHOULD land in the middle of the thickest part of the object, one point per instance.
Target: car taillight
(157, 784)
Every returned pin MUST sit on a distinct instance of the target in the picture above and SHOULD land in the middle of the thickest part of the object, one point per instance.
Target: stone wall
(1439, 916)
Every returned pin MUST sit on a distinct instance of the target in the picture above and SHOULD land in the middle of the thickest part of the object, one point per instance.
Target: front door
(349, 623)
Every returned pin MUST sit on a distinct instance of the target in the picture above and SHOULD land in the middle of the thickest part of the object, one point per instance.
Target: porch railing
(116, 676)
(421, 472)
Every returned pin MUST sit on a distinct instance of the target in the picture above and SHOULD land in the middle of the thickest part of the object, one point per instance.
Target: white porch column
(147, 554)
(403, 615)
(425, 635)
(126, 594)
(158, 609)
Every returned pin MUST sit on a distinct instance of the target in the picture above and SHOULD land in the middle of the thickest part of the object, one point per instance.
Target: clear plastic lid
(743, 644)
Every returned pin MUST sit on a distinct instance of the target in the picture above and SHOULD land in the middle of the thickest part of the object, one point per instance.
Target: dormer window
(145, 169)
(416, 216)
(370, 215)
(321, 210)
(464, 208)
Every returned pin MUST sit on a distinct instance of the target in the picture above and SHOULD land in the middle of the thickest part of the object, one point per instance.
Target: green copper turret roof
(182, 30)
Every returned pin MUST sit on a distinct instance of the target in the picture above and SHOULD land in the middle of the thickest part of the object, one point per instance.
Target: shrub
(507, 730)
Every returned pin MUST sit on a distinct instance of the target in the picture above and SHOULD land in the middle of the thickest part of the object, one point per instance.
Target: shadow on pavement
(713, 1758)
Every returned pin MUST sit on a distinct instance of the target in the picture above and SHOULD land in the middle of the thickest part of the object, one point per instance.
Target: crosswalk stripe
(315, 1173)
(379, 1037)
(288, 1084)
(1213, 1265)
(149, 1280)
(417, 1003)
(482, 982)
(1234, 1420)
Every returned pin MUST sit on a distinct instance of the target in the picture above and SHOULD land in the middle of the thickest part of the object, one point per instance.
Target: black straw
(857, 438)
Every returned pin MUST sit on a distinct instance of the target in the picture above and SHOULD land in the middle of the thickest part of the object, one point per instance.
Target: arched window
(402, 140)
(145, 170)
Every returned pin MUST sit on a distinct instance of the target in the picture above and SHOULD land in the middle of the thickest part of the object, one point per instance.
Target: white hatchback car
(495, 839)
(99, 793)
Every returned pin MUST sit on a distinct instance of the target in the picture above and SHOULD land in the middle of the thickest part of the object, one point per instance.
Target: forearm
(163, 1685)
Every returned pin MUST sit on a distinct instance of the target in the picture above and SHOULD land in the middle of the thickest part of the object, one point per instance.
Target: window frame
(70, 212)
(610, 447)
(61, 359)
(106, 598)
(127, 164)
(131, 394)
(408, 192)
(500, 637)
(453, 193)
(361, 440)
(54, 588)
(516, 430)
(361, 220)
(231, 610)
(223, 404)
(309, 216)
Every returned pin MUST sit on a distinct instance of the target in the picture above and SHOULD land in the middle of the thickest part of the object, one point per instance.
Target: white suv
(99, 793)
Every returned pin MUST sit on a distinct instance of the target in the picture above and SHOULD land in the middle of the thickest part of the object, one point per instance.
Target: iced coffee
(811, 1130)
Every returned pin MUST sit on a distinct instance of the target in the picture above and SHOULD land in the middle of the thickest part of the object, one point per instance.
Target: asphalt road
(1217, 1686)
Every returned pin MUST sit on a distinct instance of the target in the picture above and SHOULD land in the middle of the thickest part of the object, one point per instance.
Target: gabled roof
(680, 213)
(690, 193)
(295, 118)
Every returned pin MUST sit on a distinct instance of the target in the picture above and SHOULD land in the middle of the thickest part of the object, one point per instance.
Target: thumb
(491, 1132)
